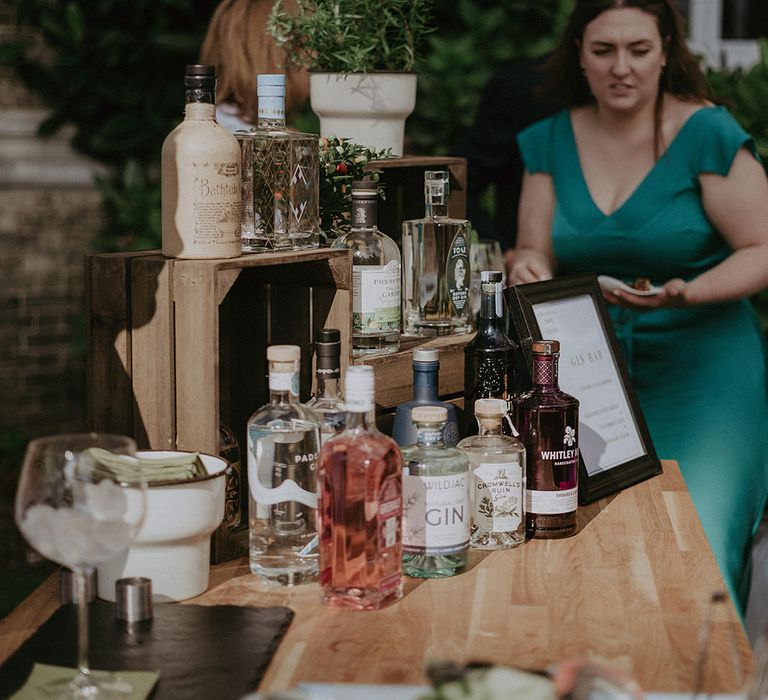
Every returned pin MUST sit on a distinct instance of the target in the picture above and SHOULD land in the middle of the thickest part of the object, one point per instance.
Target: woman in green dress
(643, 177)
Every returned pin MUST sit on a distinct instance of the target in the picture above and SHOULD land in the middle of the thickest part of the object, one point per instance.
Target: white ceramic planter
(368, 108)
(173, 545)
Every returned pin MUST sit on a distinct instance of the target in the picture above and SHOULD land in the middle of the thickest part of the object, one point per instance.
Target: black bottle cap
(201, 70)
(328, 352)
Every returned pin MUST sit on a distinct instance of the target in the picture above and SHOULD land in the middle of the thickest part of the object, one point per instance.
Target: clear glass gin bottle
(281, 178)
(283, 445)
(548, 421)
(497, 462)
(361, 504)
(328, 402)
(375, 277)
(436, 273)
(436, 513)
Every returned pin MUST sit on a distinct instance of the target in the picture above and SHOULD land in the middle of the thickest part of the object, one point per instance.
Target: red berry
(342, 169)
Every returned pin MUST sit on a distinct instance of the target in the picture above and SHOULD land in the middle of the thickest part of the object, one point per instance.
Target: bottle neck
(545, 372)
(328, 387)
(363, 212)
(429, 435)
(361, 420)
(425, 379)
(271, 111)
(491, 311)
(434, 208)
(489, 426)
(283, 383)
(199, 111)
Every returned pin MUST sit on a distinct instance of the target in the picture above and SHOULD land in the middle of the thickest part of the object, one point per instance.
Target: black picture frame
(577, 301)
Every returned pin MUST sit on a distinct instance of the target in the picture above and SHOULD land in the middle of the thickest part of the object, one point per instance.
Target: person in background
(642, 176)
(240, 47)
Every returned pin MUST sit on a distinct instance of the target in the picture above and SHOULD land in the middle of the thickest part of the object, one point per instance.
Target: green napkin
(142, 681)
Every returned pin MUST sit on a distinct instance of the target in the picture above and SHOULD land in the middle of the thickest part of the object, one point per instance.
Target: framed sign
(615, 446)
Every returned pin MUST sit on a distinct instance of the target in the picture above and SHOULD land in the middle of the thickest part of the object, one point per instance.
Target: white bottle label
(376, 298)
(551, 502)
(498, 497)
(435, 514)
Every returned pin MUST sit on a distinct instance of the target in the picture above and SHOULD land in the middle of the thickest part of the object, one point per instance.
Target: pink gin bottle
(360, 478)
(548, 422)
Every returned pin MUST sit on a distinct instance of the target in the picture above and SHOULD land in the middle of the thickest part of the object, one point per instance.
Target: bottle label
(216, 203)
(435, 514)
(376, 298)
(457, 274)
(552, 502)
(389, 517)
(498, 496)
(284, 381)
(282, 466)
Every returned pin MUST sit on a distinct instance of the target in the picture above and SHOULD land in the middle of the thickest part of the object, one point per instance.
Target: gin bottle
(201, 201)
(281, 178)
(548, 421)
(361, 499)
(497, 462)
(328, 402)
(436, 272)
(426, 366)
(375, 277)
(436, 515)
(490, 356)
(283, 445)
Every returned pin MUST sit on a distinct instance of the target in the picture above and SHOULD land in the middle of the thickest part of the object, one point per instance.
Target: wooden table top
(631, 589)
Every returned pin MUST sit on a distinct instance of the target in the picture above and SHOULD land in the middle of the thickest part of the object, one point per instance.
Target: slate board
(212, 652)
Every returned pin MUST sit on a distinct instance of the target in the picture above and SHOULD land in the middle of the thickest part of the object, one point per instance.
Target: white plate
(610, 284)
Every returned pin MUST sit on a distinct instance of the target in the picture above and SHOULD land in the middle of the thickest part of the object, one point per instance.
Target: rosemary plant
(352, 36)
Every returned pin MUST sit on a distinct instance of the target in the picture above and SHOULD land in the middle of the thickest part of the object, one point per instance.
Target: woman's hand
(528, 267)
(672, 294)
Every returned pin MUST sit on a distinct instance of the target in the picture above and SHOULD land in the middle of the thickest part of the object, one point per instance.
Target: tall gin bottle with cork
(281, 178)
(548, 421)
(361, 500)
(201, 198)
(436, 274)
(283, 445)
(375, 277)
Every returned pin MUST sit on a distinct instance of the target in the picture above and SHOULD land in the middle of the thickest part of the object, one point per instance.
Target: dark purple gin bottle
(548, 422)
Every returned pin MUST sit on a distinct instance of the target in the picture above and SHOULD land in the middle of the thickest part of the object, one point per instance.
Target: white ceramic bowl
(173, 545)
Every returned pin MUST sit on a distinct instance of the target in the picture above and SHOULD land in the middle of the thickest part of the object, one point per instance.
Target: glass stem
(81, 575)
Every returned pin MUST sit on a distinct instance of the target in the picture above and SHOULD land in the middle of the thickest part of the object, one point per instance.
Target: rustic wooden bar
(631, 589)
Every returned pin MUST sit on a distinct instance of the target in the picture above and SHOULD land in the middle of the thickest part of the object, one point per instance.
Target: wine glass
(484, 254)
(78, 512)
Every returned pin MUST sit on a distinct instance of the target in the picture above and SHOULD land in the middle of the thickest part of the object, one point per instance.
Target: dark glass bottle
(548, 421)
(489, 358)
(426, 367)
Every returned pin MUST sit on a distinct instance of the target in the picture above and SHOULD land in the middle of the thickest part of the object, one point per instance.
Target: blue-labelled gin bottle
(426, 367)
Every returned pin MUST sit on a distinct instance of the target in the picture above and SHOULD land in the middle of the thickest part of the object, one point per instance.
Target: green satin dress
(699, 372)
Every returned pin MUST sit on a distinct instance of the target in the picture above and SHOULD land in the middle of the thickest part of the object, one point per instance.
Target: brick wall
(49, 213)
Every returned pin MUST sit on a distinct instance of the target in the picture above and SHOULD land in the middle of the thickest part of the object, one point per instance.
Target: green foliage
(342, 163)
(115, 72)
(476, 37)
(746, 95)
(352, 36)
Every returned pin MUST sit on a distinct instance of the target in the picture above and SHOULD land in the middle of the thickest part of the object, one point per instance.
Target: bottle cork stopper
(490, 407)
(425, 355)
(429, 414)
(283, 353)
(545, 347)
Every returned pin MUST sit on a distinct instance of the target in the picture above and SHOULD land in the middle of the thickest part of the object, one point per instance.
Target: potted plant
(361, 54)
